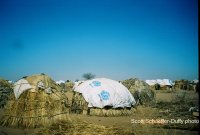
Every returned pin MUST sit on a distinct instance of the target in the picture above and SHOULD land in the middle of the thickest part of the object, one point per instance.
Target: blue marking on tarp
(95, 84)
(104, 95)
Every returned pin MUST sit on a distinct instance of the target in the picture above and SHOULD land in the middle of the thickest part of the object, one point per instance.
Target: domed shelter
(141, 91)
(105, 95)
(37, 101)
(134, 84)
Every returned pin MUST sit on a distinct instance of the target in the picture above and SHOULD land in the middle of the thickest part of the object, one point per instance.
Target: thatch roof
(5, 90)
(35, 107)
(69, 85)
(48, 82)
(141, 91)
(182, 84)
(186, 85)
(134, 84)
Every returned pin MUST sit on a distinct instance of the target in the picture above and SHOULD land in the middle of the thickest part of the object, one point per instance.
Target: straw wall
(80, 106)
(36, 109)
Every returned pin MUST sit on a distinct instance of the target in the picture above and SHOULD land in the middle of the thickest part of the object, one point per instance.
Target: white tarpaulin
(103, 92)
(76, 84)
(195, 81)
(162, 82)
(20, 86)
(59, 82)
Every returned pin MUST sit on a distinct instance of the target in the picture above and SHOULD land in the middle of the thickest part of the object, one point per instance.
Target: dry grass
(176, 107)
(79, 127)
(112, 112)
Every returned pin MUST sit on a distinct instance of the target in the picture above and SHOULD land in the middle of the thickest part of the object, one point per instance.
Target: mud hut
(102, 97)
(37, 101)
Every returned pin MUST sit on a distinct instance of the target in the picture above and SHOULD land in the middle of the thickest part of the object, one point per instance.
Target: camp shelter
(134, 84)
(5, 90)
(37, 101)
(102, 96)
(142, 92)
(160, 84)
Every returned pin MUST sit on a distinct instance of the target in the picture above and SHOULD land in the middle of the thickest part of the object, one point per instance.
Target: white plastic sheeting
(195, 81)
(59, 82)
(20, 86)
(76, 84)
(101, 92)
(48, 90)
(41, 85)
(162, 82)
(10, 81)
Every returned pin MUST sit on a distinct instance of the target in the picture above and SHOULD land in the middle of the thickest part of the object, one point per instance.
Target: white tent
(60, 81)
(195, 81)
(162, 82)
(101, 92)
(20, 86)
(76, 84)
(151, 82)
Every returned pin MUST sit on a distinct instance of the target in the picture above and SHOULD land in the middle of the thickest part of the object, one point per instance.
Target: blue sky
(117, 39)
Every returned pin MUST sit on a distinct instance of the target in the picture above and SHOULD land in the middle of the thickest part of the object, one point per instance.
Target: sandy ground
(168, 96)
(123, 122)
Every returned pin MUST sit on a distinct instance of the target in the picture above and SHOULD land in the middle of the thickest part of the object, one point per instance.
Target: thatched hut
(39, 106)
(102, 97)
(186, 85)
(142, 92)
(134, 84)
(5, 90)
(182, 84)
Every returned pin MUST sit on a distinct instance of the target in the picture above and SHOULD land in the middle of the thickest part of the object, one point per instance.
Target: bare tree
(88, 76)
